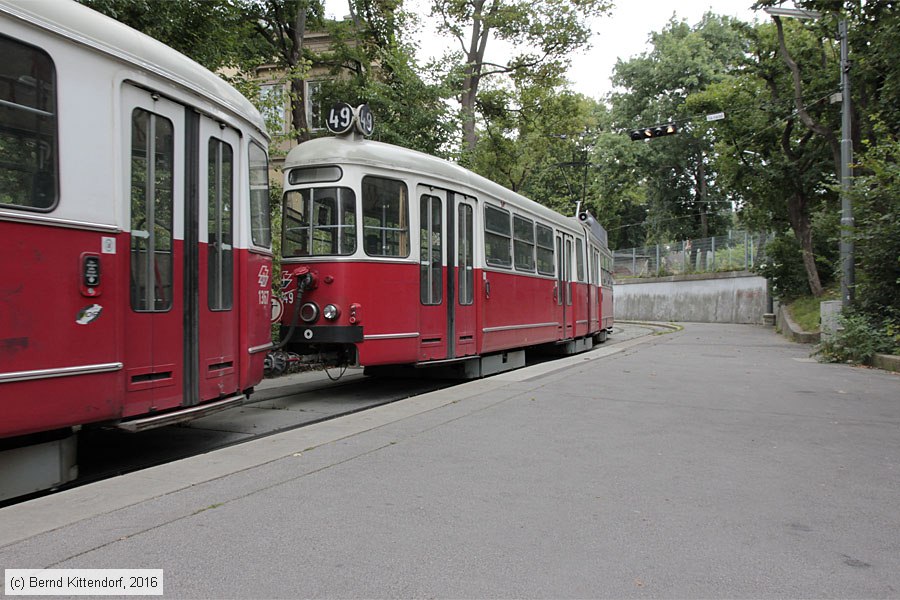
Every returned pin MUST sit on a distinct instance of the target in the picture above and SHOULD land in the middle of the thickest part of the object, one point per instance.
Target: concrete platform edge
(41, 515)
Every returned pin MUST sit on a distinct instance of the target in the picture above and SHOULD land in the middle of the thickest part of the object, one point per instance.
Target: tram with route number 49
(393, 259)
(135, 236)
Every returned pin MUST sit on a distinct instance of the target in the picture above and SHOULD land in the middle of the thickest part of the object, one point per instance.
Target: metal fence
(737, 251)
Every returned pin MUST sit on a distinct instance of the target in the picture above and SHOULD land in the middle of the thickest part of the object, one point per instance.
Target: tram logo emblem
(263, 276)
(88, 314)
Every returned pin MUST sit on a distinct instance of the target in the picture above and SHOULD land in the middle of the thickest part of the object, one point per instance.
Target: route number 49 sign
(342, 118)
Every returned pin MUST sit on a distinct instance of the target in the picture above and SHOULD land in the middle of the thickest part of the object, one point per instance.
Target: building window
(315, 116)
(273, 106)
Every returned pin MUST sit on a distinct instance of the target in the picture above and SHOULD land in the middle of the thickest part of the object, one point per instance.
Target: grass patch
(805, 311)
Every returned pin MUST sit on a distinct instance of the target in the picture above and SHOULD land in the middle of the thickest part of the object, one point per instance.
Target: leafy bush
(877, 232)
(783, 266)
(858, 340)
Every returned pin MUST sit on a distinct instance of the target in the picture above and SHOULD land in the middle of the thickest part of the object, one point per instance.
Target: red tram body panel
(406, 259)
(134, 227)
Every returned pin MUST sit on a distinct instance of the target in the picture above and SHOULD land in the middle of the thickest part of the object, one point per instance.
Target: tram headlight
(309, 312)
(331, 312)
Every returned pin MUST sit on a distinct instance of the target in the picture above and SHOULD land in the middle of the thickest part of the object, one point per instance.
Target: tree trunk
(298, 109)
(467, 106)
(298, 83)
(800, 105)
(474, 65)
(802, 227)
(702, 192)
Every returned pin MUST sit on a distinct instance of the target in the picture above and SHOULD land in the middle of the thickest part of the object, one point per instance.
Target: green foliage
(776, 165)
(860, 338)
(531, 141)
(807, 310)
(275, 200)
(877, 231)
(544, 33)
(214, 33)
(784, 268)
(676, 173)
(409, 111)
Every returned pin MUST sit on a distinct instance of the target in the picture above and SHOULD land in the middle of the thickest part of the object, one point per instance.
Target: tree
(529, 128)
(281, 25)
(371, 62)
(551, 29)
(212, 32)
(778, 157)
(676, 171)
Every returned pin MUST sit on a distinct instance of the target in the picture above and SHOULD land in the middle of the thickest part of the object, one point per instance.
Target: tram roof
(77, 22)
(377, 154)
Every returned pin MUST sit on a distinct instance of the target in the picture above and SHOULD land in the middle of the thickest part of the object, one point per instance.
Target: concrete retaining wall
(733, 297)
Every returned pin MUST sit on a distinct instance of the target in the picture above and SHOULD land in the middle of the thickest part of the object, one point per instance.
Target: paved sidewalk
(719, 461)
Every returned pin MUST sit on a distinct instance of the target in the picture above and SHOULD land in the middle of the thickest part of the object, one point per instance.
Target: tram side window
(466, 255)
(606, 271)
(431, 253)
(260, 217)
(28, 138)
(579, 259)
(385, 206)
(523, 243)
(319, 222)
(545, 259)
(152, 170)
(497, 237)
(220, 226)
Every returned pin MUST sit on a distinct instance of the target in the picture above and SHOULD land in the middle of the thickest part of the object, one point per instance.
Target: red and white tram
(407, 259)
(135, 244)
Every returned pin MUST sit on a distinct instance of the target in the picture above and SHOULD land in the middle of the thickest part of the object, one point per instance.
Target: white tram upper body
(134, 225)
(410, 259)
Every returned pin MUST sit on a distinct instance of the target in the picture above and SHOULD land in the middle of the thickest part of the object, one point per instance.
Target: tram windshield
(319, 222)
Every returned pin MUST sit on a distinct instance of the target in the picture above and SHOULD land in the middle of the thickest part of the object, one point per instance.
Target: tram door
(179, 178)
(434, 329)
(215, 338)
(461, 284)
(153, 152)
(565, 312)
(446, 274)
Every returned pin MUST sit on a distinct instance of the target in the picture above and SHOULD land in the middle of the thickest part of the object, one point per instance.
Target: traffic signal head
(652, 132)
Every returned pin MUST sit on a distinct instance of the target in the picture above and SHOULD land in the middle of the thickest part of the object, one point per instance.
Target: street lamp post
(847, 272)
(847, 223)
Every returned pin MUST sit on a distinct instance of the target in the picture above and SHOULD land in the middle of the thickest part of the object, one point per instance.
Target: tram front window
(319, 222)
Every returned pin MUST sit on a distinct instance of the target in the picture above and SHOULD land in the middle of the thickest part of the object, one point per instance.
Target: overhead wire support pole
(847, 247)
